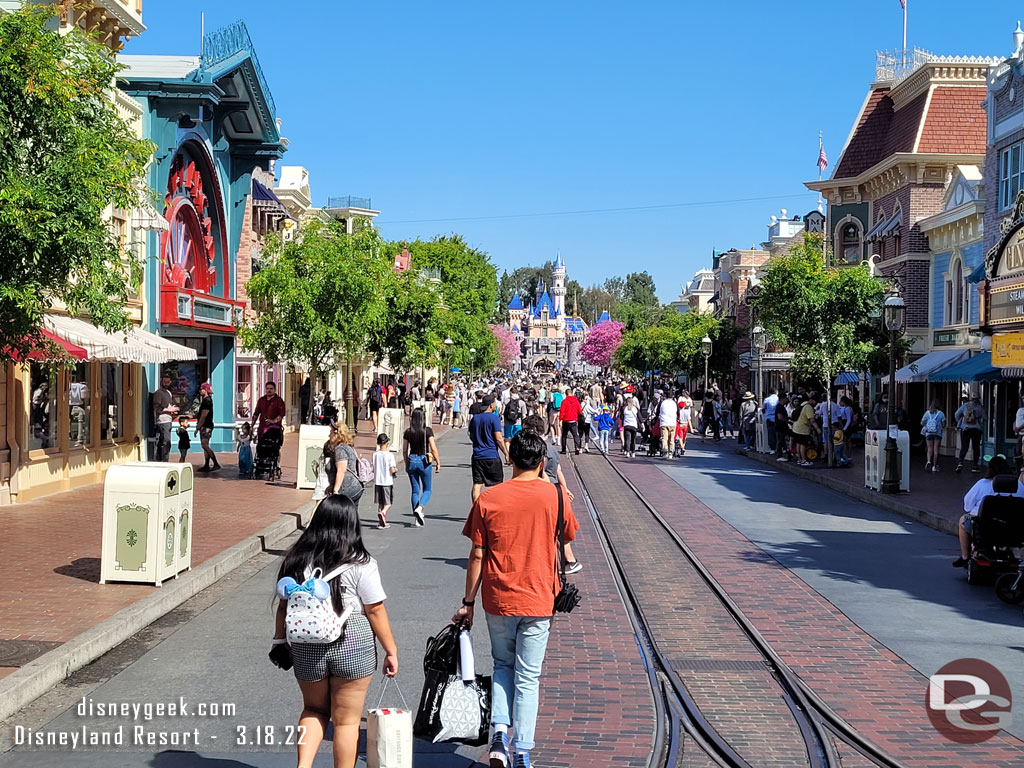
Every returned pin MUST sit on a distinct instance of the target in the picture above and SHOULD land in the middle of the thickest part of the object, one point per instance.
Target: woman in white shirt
(334, 677)
(998, 465)
(630, 425)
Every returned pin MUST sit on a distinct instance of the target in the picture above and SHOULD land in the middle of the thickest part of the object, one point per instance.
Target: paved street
(889, 575)
(213, 649)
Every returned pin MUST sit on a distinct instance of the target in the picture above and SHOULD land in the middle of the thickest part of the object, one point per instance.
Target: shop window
(79, 406)
(111, 401)
(851, 243)
(1011, 175)
(243, 393)
(43, 414)
(187, 376)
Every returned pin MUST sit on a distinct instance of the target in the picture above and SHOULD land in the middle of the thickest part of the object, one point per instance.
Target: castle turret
(558, 286)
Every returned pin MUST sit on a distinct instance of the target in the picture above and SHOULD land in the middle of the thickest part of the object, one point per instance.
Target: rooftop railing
(349, 201)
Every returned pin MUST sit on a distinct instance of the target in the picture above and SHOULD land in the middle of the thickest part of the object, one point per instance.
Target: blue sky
(451, 114)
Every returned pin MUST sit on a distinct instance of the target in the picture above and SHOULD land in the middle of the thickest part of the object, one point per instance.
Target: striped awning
(133, 346)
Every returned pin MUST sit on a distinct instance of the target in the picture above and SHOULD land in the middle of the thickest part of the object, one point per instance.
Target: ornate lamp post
(705, 349)
(760, 339)
(894, 315)
(472, 359)
(448, 360)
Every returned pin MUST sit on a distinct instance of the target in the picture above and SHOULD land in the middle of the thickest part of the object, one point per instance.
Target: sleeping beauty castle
(548, 337)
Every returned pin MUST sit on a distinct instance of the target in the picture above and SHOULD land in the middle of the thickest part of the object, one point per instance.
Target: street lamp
(760, 338)
(894, 315)
(448, 358)
(705, 349)
(472, 359)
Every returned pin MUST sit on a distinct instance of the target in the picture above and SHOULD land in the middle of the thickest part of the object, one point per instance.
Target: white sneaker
(418, 513)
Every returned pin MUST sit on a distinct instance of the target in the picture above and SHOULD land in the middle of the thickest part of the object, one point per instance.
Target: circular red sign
(968, 701)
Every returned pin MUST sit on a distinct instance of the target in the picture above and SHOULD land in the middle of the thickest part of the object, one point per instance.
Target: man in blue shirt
(770, 404)
(485, 432)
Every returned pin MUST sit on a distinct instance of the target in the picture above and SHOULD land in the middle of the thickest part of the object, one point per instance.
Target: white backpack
(310, 616)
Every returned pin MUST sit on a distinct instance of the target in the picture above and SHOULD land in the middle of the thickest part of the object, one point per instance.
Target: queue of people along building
(928, 190)
(218, 139)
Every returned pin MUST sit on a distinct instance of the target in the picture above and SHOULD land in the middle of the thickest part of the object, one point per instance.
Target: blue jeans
(518, 644)
(420, 477)
(771, 434)
(602, 438)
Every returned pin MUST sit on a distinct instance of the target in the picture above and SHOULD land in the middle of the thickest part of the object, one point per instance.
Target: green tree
(616, 288)
(672, 342)
(407, 334)
(65, 157)
(319, 296)
(827, 316)
(469, 291)
(639, 288)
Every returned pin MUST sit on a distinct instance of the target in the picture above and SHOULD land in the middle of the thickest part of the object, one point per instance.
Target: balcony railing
(224, 43)
(348, 202)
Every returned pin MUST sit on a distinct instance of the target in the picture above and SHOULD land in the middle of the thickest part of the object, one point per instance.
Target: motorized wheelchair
(997, 533)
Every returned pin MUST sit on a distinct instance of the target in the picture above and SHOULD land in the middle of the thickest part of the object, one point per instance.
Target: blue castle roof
(544, 302)
(575, 325)
(605, 317)
(516, 303)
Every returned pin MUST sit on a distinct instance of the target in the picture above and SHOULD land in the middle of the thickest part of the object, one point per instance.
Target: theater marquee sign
(1003, 297)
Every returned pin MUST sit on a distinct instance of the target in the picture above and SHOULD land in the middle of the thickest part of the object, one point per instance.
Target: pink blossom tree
(602, 341)
(508, 347)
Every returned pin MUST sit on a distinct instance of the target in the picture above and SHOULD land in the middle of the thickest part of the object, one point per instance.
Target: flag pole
(905, 33)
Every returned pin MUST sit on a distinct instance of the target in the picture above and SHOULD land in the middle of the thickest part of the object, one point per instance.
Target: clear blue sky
(472, 110)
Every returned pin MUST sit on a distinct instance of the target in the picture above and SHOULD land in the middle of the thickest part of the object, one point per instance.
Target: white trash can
(311, 447)
(147, 522)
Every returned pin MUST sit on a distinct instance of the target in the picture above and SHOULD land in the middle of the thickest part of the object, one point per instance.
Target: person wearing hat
(970, 417)
(204, 427)
(748, 420)
(804, 425)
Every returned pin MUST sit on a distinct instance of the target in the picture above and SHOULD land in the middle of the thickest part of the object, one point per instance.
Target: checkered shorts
(350, 657)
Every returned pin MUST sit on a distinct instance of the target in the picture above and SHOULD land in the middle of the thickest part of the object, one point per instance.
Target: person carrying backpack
(328, 580)
(932, 424)
(513, 414)
(970, 417)
(374, 401)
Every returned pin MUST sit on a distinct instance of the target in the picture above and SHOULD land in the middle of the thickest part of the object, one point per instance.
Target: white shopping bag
(389, 734)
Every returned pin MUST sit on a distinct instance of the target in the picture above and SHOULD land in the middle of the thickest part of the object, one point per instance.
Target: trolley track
(682, 721)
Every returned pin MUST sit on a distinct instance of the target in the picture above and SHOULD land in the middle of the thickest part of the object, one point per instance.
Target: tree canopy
(672, 342)
(469, 291)
(319, 296)
(602, 341)
(66, 157)
(827, 316)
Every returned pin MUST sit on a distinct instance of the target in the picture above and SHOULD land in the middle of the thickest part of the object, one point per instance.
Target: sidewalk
(50, 549)
(935, 498)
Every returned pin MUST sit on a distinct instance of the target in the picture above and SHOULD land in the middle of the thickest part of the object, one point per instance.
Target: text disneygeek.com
(108, 734)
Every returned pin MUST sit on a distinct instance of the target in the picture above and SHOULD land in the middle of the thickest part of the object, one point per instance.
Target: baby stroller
(268, 453)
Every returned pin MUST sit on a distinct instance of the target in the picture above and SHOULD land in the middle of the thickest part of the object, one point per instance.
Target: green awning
(977, 368)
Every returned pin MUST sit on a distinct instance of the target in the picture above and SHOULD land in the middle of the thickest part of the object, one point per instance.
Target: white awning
(134, 346)
(919, 370)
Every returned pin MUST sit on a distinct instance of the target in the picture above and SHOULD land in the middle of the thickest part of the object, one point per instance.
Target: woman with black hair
(334, 677)
(422, 459)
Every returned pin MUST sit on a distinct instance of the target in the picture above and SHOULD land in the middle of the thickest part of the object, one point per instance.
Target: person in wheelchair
(997, 465)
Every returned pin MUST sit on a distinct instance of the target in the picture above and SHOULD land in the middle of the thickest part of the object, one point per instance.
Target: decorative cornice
(942, 70)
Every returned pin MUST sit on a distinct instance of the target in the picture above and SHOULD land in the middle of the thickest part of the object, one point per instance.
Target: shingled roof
(952, 121)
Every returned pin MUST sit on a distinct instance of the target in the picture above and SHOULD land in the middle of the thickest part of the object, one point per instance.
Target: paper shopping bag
(389, 738)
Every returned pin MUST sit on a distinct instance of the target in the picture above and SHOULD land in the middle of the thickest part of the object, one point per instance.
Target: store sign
(1011, 255)
(956, 337)
(1006, 304)
(1008, 350)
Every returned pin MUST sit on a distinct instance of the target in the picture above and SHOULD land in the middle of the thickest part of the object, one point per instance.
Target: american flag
(822, 157)
(903, 4)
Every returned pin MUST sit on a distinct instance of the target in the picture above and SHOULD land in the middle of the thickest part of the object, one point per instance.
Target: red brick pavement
(50, 548)
(721, 668)
(596, 705)
(875, 690)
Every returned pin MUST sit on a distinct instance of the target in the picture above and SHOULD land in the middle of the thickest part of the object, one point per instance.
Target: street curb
(889, 503)
(31, 681)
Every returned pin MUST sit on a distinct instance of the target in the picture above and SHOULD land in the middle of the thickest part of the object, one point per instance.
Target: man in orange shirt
(513, 558)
